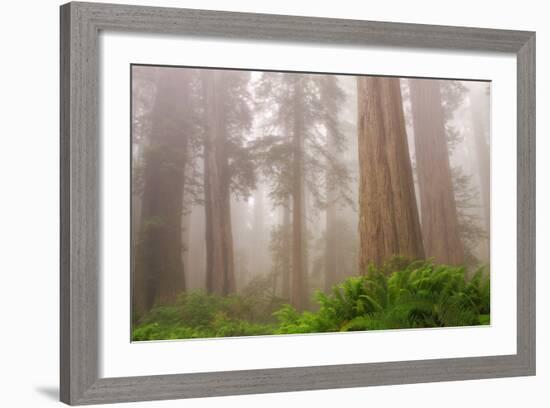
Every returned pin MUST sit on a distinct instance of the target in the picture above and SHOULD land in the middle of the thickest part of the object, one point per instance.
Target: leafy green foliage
(395, 296)
(199, 315)
(420, 295)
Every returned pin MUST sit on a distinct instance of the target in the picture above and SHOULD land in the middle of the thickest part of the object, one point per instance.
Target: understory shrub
(395, 296)
(419, 295)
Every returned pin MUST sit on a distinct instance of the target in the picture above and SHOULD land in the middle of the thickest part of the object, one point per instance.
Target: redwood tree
(388, 214)
(332, 97)
(159, 270)
(440, 225)
(480, 109)
(227, 169)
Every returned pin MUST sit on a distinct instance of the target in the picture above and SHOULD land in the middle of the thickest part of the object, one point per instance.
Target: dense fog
(249, 181)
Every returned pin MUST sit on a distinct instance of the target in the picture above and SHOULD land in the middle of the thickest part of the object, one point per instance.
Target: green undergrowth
(417, 295)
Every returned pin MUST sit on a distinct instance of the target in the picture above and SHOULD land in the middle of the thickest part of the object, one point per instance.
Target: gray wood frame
(80, 234)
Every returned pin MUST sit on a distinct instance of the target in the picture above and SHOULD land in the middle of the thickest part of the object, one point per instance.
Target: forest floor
(418, 295)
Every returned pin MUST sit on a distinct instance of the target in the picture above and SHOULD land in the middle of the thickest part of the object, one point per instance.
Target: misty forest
(280, 203)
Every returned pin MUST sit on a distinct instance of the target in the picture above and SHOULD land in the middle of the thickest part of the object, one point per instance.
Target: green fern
(394, 296)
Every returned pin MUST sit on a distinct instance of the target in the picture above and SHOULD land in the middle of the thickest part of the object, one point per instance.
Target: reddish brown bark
(388, 218)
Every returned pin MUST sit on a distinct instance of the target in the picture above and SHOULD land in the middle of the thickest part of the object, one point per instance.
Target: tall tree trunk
(241, 240)
(185, 237)
(305, 234)
(388, 218)
(439, 218)
(332, 97)
(331, 219)
(196, 271)
(298, 286)
(162, 276)
(287, 239)
(480, 108)
(258, 229)
(220, 274)
(139, 274)
(288, 232)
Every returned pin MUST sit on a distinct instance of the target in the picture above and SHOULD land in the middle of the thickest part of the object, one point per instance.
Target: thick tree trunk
(160, 271)
(220, 274)
(439, 219)
(388, 218)
(298, 285)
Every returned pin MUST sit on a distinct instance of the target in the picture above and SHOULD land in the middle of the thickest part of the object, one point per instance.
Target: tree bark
(388, 218)
(439, 219)
(220, 274)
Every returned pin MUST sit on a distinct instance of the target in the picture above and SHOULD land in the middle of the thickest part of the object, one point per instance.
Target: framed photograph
(261, 203)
